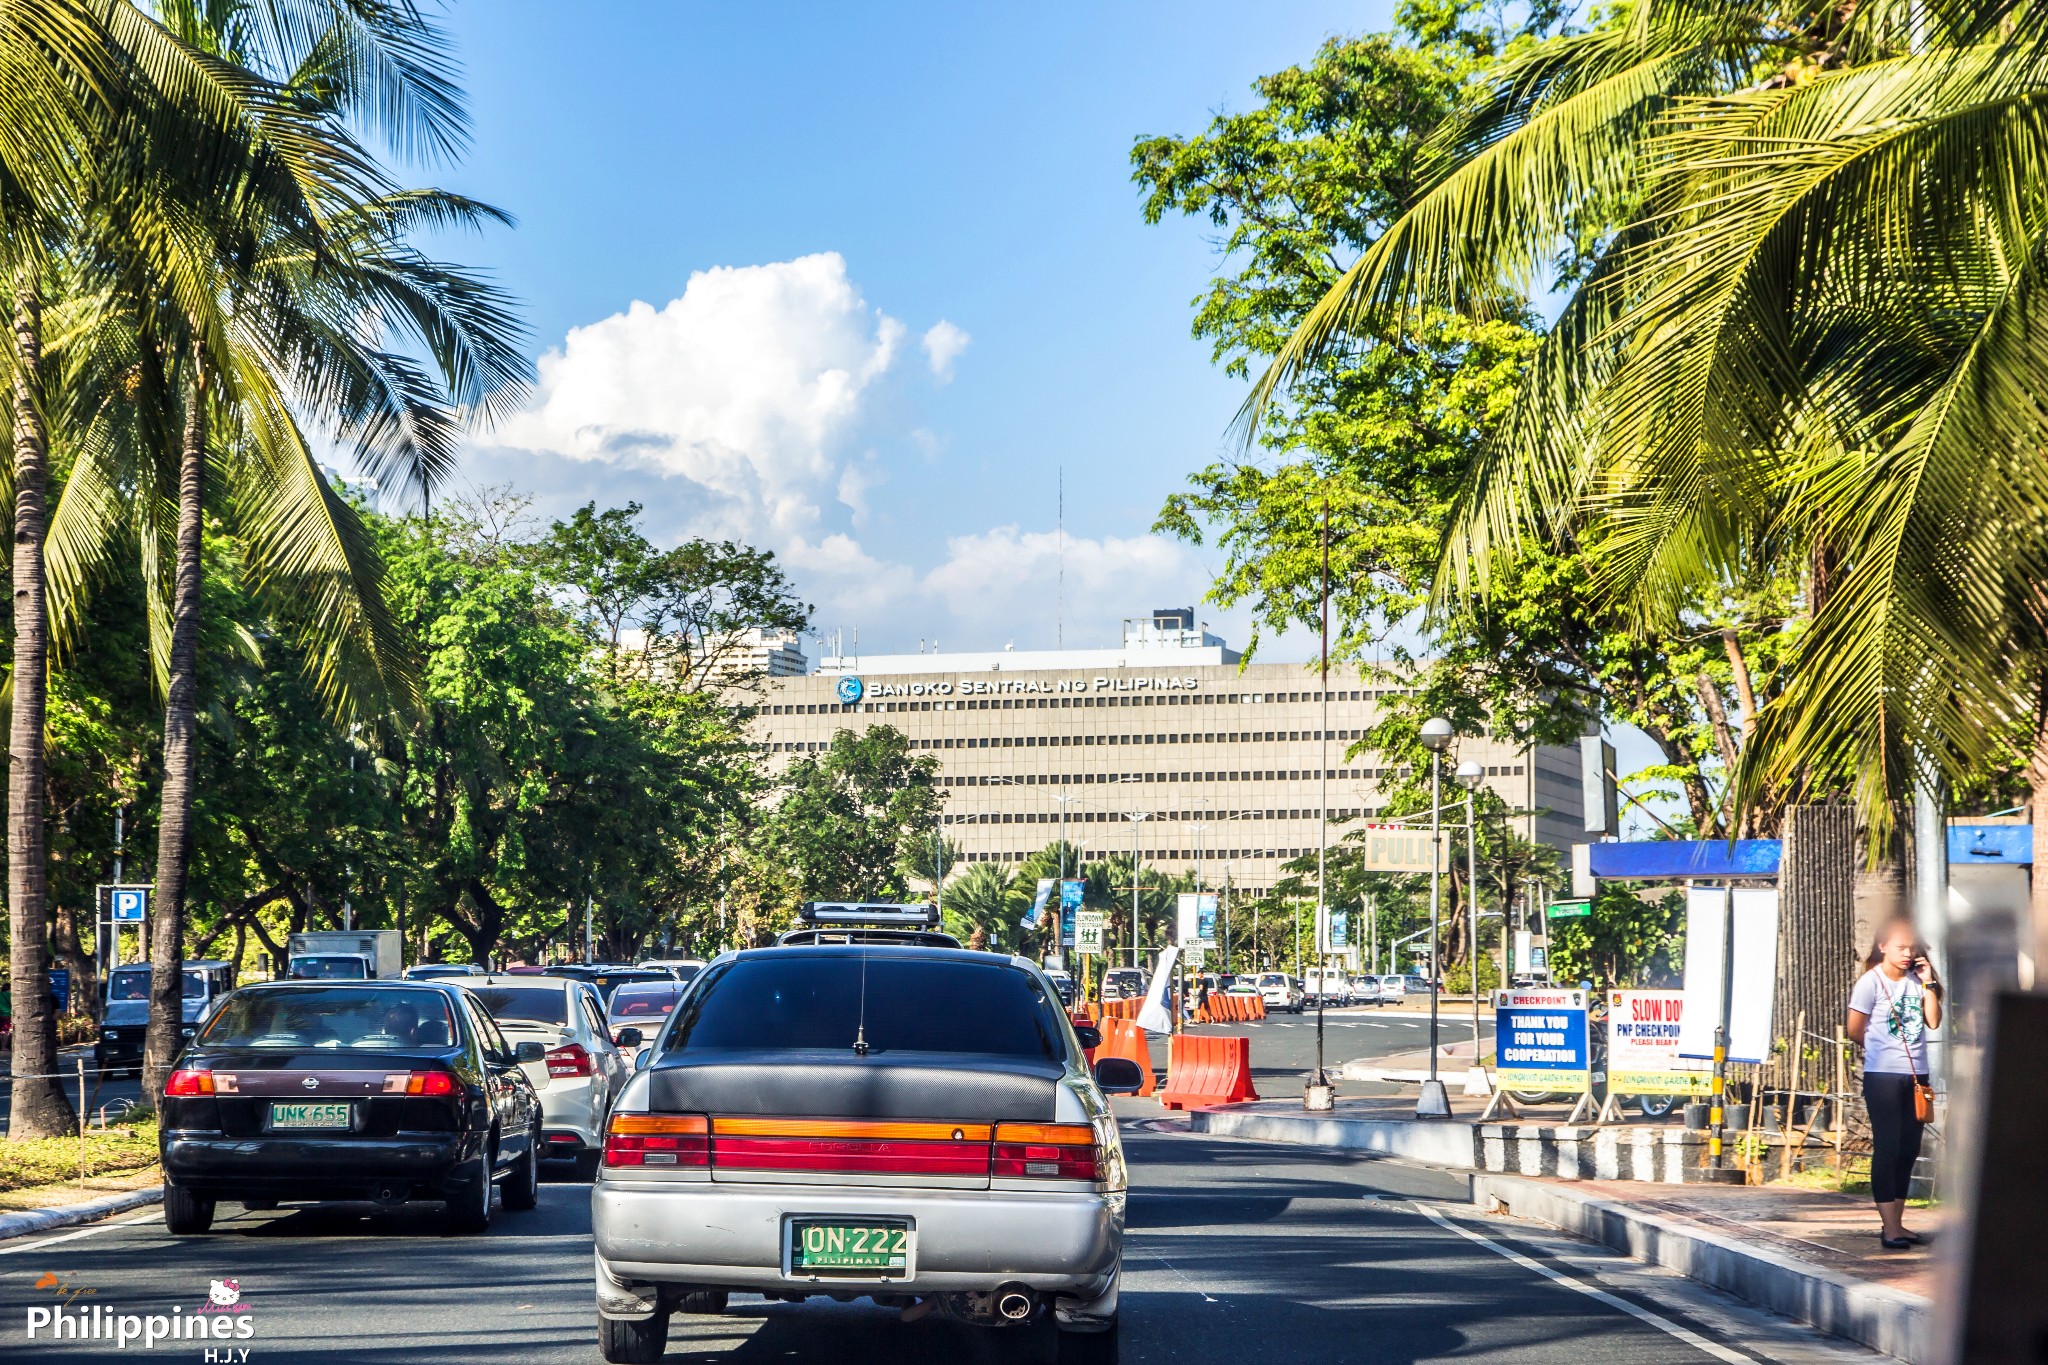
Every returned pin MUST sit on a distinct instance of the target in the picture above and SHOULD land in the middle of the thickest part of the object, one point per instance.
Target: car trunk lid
(827, 1118)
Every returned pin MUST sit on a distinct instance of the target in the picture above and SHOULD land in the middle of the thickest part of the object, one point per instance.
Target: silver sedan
(915, 1125)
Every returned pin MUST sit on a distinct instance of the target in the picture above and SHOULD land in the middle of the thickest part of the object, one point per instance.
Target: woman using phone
(1893, 1005)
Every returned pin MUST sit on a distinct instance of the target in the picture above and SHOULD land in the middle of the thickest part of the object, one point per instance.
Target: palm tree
(985, 900)
(310, 313)
(1806, 338)
(87, 90)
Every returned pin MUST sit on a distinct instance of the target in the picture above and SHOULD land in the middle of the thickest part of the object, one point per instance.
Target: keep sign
(1541, 1040)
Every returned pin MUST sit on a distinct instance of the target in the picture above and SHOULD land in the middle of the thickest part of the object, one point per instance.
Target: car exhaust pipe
(1014, 1303)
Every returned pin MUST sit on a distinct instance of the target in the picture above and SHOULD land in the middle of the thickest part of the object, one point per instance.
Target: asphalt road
(1236, 1251)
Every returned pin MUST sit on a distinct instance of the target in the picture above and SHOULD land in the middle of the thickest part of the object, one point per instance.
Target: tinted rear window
(134, 985)
(649, 1001)
(332, 1017)
(531, 1004)
(776, 1004)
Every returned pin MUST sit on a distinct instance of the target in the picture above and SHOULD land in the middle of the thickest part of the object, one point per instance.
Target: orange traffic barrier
(1123, 1038)
(1121, 1009)
(1204, 1070)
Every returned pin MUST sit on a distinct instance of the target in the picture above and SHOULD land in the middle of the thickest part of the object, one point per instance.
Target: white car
(683, 969)
(1281, 992)
(581, 1072)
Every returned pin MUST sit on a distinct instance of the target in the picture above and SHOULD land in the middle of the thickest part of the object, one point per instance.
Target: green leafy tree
(849, 819)
(984, 903)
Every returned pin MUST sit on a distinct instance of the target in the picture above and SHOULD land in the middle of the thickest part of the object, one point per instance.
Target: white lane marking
(1206, 1296)
(82, 1232)
(1663, 1324)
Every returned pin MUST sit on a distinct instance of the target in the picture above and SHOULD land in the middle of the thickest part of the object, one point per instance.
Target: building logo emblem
(850, 690)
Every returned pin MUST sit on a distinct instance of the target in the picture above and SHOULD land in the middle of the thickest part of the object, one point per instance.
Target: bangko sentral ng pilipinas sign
(1399, 848)
(991, 687)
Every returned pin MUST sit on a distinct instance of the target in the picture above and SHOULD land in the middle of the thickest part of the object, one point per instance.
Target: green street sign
(1570, 909)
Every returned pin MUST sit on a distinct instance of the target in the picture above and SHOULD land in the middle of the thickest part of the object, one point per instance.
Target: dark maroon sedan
(386, 1091)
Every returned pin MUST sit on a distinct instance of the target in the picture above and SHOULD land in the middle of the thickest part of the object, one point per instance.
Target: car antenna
(860, 1030)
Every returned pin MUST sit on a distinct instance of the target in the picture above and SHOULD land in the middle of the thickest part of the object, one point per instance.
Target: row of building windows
(1258, 775)
(1089, 817)
(1085, 741)
(1214, 855)
(1041, 703)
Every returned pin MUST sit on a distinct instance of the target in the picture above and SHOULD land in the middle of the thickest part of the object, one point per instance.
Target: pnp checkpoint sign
(1541, 1040)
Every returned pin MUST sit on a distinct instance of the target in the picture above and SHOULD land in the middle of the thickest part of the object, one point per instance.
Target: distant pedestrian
(1892, 1007)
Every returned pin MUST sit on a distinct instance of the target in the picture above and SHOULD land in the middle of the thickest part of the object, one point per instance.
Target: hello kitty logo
(224, 1296)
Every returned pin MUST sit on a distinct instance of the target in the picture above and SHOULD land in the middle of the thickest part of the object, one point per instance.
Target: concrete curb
(42, 1220)
(1432, 1142)
(1884, 1319)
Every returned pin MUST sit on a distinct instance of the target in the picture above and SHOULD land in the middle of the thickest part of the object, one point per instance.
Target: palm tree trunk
(39, 1108)
(174, 824)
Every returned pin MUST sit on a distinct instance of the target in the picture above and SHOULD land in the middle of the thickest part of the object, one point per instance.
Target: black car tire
(186, 1214)
(469, 1214)
(1088, 1348)
(522, 1187)
(586, 1165)
(1657, 1106)
(703, 1301)
(633, 1342)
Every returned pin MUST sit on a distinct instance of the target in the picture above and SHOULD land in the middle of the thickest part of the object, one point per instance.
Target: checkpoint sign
(1541, 1040)
(128, 904)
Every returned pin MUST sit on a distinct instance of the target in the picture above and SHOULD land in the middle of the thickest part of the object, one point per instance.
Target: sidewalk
(1807, 1254)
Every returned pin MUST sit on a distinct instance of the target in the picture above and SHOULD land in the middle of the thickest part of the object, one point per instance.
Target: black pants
(1894, 1134)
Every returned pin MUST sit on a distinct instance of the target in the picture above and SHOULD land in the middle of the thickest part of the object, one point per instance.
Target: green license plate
(331, 1114)
(842, 1247)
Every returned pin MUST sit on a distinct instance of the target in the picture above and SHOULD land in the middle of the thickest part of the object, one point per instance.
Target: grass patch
(1853, 1178)
(50, 1161)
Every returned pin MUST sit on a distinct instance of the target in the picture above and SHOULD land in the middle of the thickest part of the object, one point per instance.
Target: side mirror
(640, 1059)
(627, 1037)
(1119, 1076)
(529, 1052)
(1090, 1036)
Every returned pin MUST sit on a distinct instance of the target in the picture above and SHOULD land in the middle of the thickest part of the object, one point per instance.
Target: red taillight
(420, 1083)
(1046, 1151)
(189, 1083)
(657, 1140)
(570, 1060)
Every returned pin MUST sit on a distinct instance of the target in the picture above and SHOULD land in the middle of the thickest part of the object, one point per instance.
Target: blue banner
(1541, 1040)
(1045, 886)
(1070, 905)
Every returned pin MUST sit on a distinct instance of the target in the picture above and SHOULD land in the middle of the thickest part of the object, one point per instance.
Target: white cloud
(943, 345)
(746, 385)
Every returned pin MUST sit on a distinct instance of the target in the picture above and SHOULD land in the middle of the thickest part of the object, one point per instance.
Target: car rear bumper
(313, 1168)
(1066, 1243)
(571, 1109)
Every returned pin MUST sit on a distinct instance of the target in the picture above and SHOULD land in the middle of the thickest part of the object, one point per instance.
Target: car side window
(595, 1018)
(488, 1038)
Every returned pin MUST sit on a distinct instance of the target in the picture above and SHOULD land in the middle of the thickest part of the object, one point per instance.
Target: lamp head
(1471, 773)
(1436, 734)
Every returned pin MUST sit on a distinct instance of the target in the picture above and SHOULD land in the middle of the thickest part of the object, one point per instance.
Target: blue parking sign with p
(130, 904)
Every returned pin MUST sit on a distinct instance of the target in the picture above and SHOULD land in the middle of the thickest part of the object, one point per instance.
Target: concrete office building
(1219, 760)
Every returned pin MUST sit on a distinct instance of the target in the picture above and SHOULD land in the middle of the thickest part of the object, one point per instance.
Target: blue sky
(839, 182)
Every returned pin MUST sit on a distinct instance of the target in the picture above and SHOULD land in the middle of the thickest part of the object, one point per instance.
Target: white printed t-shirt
(1895, 1044)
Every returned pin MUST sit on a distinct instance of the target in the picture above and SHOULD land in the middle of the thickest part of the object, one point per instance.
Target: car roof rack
(911, 938)
(870, 914)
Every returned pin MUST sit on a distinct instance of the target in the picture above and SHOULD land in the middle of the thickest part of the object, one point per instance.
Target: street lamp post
(1470, 774)
(1136, 818)
(1434, 1103)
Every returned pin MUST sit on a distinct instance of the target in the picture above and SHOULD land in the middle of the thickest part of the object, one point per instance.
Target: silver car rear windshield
(524, 1004)
(791, 1003)
(332, 1017)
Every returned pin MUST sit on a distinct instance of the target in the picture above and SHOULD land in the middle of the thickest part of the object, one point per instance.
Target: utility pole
(1319, 1094)
(1470, 774)
(1434, 1103)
